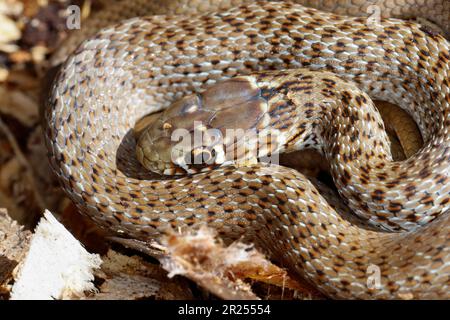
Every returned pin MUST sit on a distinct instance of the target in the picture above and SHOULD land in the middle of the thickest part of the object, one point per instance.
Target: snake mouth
(192, 160)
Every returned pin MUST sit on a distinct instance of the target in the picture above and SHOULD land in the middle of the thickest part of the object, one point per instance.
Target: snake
(310, 75)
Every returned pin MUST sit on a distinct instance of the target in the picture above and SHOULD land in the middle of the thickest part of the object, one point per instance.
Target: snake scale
(143, 65)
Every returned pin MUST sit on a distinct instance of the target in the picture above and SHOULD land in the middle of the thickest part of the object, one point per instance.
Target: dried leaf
(9, 30)
(19, 105)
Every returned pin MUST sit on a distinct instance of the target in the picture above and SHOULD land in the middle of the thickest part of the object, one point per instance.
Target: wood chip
(129, 278)
(14, 243)
(56, 266)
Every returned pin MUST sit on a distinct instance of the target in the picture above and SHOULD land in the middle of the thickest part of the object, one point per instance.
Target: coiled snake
(142, 65)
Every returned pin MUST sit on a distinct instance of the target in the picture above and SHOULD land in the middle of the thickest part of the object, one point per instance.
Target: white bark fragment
(56, 266)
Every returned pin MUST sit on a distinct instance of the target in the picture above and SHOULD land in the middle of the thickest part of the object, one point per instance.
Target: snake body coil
(142, 65)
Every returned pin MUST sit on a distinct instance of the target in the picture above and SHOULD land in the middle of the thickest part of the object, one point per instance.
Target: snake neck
(336, 117)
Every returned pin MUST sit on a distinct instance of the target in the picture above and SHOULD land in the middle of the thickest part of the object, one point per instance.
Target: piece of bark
(131, 278)
(14, 243)
(56, 266)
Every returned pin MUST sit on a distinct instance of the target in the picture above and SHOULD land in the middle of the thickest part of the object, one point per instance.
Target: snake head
(202, 131)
